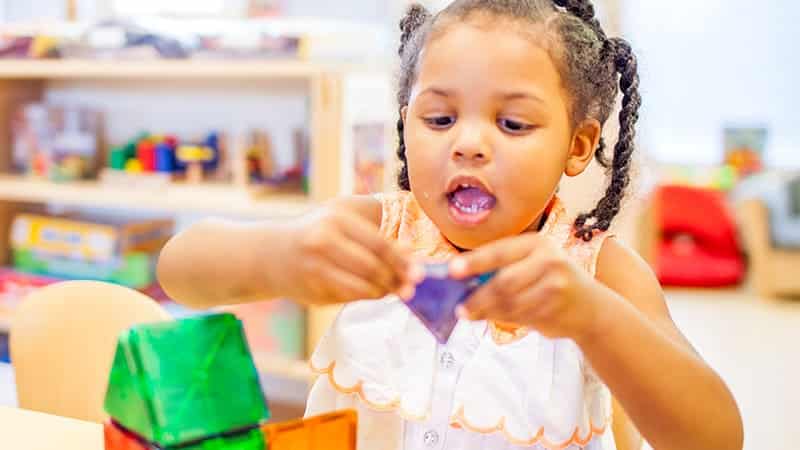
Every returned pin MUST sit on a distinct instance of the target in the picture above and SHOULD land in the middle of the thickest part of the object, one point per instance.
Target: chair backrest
(62, 343)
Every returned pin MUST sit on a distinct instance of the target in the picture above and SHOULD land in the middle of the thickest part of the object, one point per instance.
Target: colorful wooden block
(334, 431)
(178, 382)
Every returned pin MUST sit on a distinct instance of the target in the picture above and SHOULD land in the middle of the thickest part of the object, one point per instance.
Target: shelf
(175, 198)
(163, 69)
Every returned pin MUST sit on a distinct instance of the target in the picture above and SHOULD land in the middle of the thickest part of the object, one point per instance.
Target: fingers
(498, 296)
(366, 234)
(352, 257)
(339, 285)
(493, 256)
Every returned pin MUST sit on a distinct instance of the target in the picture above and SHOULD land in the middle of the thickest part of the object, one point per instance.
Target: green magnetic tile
(176, 382)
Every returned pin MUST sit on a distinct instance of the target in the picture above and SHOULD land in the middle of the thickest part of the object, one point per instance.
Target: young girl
(498, 100)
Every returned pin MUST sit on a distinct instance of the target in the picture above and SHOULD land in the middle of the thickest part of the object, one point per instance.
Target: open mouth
(470, 200)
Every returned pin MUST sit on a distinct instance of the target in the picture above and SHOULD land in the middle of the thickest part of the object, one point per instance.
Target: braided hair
(594, 68)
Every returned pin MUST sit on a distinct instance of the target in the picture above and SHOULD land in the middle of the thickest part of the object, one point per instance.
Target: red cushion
(682, 263)
(701, 213)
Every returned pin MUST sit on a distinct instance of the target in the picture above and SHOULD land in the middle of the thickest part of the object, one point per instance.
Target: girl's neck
(535, 227)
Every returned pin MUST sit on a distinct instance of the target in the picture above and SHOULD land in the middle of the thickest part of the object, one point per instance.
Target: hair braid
(608, 207)
(584, 10)
(415, 18)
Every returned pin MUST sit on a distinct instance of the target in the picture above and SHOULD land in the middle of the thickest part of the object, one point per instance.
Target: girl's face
(488, 133)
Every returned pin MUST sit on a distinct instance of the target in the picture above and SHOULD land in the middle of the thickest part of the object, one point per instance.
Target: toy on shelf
(437, 297)
(719, 178)
(194, 157)
(191, 384)
(57, 143)
(744, 148)
(98, 248)
(369, 142)
(168, 158)
(259, 172)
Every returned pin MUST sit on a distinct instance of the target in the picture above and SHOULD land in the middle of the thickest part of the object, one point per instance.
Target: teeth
(471, 209)
(465, 186)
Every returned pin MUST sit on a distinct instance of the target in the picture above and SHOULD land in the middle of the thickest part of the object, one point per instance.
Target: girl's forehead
(468, 52)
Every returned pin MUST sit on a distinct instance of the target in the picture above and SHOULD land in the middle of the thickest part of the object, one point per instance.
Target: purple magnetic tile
(437, 297)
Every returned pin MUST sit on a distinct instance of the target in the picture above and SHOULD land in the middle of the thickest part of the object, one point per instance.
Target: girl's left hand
(536, 285)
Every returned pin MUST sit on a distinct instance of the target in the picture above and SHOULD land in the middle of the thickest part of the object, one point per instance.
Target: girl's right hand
(337, 256)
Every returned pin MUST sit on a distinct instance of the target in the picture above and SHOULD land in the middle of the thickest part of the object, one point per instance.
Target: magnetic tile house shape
(117, 438)
(187, 381)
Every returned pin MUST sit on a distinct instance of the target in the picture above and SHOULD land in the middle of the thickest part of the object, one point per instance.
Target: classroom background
(123, 121)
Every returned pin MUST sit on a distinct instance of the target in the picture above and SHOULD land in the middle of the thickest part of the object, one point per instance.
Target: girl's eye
(513, 126)
(440, 122)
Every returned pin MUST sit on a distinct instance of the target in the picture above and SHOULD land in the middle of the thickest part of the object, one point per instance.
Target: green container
(178, 382)
(135, 270)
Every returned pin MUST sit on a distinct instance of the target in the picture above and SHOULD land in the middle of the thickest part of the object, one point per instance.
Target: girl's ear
(584, 144)
(403, 112)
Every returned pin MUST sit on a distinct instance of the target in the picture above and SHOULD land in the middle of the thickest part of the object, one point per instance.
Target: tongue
(473, 196)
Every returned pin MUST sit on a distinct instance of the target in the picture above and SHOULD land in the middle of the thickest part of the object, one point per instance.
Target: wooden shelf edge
(178, 198)
(160, 69)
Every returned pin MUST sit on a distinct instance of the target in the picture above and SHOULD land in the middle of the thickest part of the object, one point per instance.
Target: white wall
(708, 63)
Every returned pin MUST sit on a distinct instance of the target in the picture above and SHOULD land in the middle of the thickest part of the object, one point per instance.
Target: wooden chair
(62, 343)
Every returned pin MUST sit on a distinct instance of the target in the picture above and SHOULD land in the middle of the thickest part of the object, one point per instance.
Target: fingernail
(461, 312)
(416, 273)
(458, 266)
(407, 292)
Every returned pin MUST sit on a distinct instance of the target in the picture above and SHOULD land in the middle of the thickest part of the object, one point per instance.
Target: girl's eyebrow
(520, 95)
(441, 92)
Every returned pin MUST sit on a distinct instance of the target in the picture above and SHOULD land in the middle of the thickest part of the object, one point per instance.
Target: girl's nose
(471, 147)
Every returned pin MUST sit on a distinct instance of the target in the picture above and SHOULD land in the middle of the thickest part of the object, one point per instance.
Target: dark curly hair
(594, 68)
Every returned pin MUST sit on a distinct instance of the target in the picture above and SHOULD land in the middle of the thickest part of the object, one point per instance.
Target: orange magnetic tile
(333, 431)
(116, 438)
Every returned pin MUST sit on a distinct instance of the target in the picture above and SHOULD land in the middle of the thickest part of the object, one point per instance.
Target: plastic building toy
(192, 385)
(176, 382)
(171, 382)
(437, 297)
(334, 431)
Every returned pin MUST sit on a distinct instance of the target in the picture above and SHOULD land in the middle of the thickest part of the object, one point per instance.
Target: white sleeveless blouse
(489, 387)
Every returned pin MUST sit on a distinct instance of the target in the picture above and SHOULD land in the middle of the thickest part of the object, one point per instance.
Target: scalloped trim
(459, 420)
(504, 334)
(358, 390)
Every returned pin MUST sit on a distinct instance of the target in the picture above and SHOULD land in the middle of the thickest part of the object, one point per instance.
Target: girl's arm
(621, 322)
(334, 254)
(675, 399)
